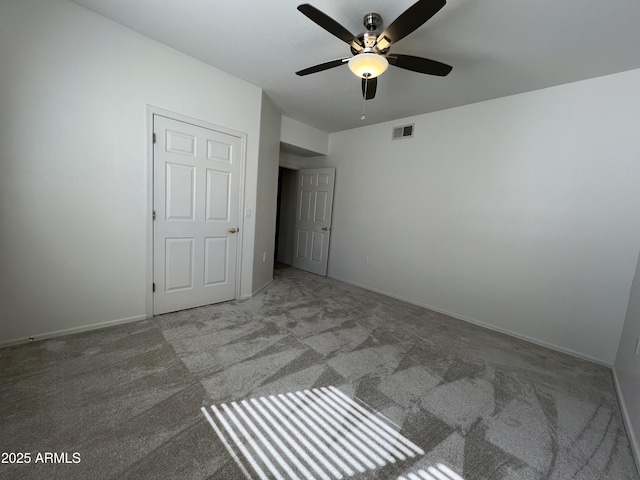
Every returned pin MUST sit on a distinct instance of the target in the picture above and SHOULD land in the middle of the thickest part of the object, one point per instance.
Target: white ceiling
(496, 48)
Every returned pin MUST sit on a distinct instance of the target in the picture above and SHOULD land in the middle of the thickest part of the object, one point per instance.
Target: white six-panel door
(314, 204)
(196, 200)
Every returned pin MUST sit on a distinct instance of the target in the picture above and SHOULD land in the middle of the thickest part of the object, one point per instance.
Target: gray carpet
(309, 379)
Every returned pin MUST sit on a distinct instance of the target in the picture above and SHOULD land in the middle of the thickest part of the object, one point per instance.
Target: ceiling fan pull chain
(364, 97)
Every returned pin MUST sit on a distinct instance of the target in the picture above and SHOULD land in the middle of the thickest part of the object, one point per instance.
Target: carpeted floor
(312, 378)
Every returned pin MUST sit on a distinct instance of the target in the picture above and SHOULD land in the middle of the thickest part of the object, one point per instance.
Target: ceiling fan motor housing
(372, 21)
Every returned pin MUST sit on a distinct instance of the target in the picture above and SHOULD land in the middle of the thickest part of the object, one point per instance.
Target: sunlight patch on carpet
(311, 434)
(439, 472)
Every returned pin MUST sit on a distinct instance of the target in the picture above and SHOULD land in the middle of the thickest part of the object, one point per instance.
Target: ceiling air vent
(404, 131)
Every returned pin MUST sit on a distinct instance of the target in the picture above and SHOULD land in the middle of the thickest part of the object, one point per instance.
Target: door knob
(326, 229)
(234, 230)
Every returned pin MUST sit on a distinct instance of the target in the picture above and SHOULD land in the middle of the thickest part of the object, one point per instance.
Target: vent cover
(404, 131)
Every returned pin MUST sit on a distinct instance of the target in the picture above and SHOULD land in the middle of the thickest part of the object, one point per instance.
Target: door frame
(150, 112)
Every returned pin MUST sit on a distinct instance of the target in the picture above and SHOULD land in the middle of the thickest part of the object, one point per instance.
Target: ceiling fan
(370, 49)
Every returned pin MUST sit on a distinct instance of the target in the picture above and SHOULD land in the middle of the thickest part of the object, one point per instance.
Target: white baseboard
(69, 331)
(542, 343)
(626, 417)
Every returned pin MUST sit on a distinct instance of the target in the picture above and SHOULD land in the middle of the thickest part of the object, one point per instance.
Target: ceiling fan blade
(329, 24)
(420, 65)
(322, 66)
(369, 87)
(410, 20)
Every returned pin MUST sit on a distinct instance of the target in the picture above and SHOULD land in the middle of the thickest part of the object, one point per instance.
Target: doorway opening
(305, 204)
(285, 216)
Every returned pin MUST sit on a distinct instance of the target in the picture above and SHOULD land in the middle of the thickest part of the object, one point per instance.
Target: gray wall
(627, 366)
(74, 166)
(514, 213)
(267, 194)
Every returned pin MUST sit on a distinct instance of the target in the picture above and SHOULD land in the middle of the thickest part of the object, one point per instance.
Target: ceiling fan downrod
(372, 21)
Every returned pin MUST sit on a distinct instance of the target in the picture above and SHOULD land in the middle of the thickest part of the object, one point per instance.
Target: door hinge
(153, 215)
(154, 137)
(153, 287)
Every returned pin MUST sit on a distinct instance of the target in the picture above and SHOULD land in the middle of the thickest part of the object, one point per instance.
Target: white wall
(303, 136)
(518, 213)
(627, 367)
(295, 162)
(267, 194)
(74, 90)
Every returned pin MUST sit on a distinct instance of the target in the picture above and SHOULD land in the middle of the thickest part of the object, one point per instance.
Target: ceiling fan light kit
(370, 49)
(368, 65)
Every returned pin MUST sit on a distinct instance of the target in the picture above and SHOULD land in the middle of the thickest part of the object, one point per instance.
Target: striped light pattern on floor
(439, 472)
(310, 434)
